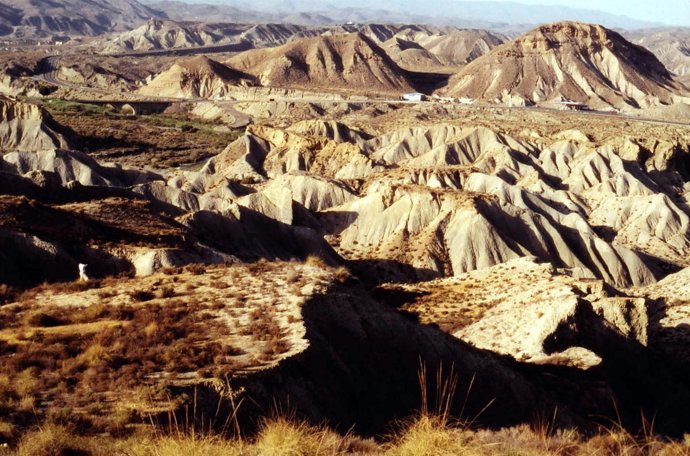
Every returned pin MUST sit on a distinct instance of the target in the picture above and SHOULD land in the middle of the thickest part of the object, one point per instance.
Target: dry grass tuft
(429, 436)
(284, 437)
(187, 445)
(95, 355)
(52, 440)
(316, 261)
(141, 295)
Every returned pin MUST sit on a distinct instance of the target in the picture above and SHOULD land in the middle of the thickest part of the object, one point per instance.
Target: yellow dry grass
(426, 435)
(20, 336)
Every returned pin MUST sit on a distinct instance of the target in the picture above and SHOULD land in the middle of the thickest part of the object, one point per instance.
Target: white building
(413, 96)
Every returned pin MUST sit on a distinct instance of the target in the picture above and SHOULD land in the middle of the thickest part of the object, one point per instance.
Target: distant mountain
(342, 62)
(670, 44)
(181, 11)
(38, 18)
(422, 49)
(481, 14)
(43, 18)
(568, 61)
(164, 34)
(233, 11)
(413, 47)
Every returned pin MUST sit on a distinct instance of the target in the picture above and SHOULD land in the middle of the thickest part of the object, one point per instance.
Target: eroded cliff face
(569, 61)
(26, 127)
(199, 77)
(339, 62)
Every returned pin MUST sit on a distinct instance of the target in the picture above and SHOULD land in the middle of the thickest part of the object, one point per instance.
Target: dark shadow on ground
(360, 373)
(642, 382)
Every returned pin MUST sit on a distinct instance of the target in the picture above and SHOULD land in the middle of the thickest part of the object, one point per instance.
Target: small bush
(292, 276)
(90, 313)
(141, 295)
(7, 430)
(95, 355)
(166, 292)
(428, 436)
(196, 268)
(26, 382)
(44, 320)
(52, 440)
(219, 284)
(316, 261)
(342, 274)
(7, 294)
(283, 437)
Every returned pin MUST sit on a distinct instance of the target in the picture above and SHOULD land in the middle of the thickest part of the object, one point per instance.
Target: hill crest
(337, 62)
(569, 61)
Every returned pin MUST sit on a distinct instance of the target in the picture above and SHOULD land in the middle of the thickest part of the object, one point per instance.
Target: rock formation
(26, 127)
(43, 18)
(199, 77)
(338, 62)
(568, 61)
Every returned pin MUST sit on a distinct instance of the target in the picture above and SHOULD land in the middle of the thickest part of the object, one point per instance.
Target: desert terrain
(300, 237)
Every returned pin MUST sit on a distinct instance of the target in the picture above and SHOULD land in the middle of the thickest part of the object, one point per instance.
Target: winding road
(48, 69)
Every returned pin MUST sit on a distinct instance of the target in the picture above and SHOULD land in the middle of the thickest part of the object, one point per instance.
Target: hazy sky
(667, 11)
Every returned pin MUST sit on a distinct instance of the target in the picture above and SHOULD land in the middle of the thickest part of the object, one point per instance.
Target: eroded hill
(569, 61)
(198, 77)
(341, 62)
(41, 18)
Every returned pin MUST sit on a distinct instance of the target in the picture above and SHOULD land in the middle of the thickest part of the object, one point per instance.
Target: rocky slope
(79, 207)
(267, 330)
(198, 77)
(25, 126)
(450, 48)
(40, 18)
(163, 34)
(671, 46)
(444, 200)
(568, 61)
(340, 62)
(548, 267)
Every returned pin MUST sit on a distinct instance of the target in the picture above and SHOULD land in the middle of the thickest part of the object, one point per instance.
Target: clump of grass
(166, 292)
(429, 435)
(195, 268)
(90, 313)
(284, 437)
(316, 261)
(26, 382)
(342, 274)
(52, 440)
(7, 430)
(219, 285)
(7, 294)
(207, 445)
(95, 355)
(433, 432)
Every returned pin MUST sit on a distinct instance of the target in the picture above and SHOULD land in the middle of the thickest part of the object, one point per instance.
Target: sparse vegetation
(286, 436)
(141, 295)
(112, 357)
(160, 140)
